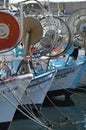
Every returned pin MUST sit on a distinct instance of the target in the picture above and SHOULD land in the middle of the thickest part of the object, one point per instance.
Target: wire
(34, 118)
(40, 123)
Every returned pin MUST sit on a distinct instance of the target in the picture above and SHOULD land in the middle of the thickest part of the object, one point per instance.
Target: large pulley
(77, 24)
(32, 33)
(81, 28)
(9, 31)
(57, 36)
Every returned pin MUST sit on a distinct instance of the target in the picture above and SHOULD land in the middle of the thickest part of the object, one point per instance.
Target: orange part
(14, 31)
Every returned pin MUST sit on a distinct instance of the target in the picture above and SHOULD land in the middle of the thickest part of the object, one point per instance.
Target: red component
(9, 31)
(33, 49)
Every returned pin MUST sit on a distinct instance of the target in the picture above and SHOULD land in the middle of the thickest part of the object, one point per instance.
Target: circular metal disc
(81, 28)
(36, 30)
(77, 24)
(9, 31)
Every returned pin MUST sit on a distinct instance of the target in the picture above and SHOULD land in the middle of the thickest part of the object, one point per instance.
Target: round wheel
(57, 36)
(9, 31)
(77, 24)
